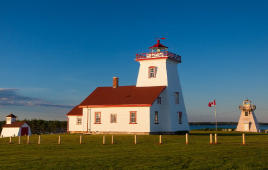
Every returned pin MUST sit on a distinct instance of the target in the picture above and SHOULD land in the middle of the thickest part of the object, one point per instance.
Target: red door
(24, 131)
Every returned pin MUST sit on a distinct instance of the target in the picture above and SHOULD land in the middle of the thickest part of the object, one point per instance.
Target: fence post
(19, 140)
(39, 140)
(211, 139)
(112, 139)
(28, 139)
(244, 139)
(135, 139)
(59, 141)
(10, 139)
(187, 138)
(160, 139)
(103, 140)
(216, 140)
(80, 139)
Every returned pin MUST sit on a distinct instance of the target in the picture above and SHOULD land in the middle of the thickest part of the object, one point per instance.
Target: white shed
(13, 128)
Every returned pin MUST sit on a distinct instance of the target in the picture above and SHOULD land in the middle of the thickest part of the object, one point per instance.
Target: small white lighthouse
(159, 68)
(248, 121)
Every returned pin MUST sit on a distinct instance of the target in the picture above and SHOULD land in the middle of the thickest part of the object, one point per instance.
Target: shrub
(181, 132)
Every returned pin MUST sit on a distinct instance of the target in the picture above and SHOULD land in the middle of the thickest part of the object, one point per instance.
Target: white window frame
(156, 117)
(158, 100)
(133, 117)
(177, 97)
(152, 72)
(180, 117)
(97, 118)
(113, 118)
(79, 122)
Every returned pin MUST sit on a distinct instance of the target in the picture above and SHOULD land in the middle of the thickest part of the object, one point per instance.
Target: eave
(126, 105)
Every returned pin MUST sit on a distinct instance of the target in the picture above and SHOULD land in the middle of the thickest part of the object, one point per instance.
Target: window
(113, 118)
(180, 117)
(97, 117)
(79, 120)
(158, 100)
(152, 72)
(246, 113)
(133, 118)
(156, 117)
(176, 97)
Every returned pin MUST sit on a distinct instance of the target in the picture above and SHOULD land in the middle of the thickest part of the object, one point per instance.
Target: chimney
(115, 82)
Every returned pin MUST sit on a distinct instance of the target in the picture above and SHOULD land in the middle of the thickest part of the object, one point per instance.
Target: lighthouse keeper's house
(154, 105)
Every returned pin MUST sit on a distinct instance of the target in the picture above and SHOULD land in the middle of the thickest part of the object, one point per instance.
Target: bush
(181, 132)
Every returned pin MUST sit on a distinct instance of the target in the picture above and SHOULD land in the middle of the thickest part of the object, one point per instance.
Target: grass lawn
(147, 154)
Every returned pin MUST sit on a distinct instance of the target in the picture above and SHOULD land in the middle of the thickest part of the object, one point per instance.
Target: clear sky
(53, 54)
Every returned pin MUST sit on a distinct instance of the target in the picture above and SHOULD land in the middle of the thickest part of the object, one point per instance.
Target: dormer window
(152, 72)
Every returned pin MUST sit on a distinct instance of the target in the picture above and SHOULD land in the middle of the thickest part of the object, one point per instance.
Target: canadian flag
(212, 103)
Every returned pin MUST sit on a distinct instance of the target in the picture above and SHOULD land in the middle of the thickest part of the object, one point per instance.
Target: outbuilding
(13, 128)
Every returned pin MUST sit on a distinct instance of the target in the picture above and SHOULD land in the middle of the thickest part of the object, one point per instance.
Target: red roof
(76, 111)
(158, 45)
(11, 115)
(15, 124)
(122, 96)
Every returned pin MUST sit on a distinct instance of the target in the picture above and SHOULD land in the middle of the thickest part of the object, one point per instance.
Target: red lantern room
(158, 47)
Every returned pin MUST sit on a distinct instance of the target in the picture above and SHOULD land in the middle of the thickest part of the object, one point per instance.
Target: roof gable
(76, 111)
(15, 124)
(11, 115)
(122, 96)
(158, 45)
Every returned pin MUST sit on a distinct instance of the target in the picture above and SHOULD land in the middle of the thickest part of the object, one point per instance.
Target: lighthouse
(154, 105)
(159, 68)
(248, 121)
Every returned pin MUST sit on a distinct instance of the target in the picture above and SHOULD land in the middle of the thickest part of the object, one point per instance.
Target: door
(246, 126)
(24, 131)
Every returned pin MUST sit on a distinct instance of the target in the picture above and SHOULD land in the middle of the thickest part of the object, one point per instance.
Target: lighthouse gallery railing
(159, 55)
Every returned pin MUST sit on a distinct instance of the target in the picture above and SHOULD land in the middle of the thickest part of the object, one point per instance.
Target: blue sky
(53, 54)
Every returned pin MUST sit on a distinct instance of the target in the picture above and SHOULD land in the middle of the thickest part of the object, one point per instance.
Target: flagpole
(215, 115)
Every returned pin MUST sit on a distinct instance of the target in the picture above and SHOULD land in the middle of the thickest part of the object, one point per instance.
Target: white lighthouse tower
(248, 121)
(159, 68)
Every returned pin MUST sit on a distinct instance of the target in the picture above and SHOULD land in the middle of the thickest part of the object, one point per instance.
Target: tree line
(39, 126)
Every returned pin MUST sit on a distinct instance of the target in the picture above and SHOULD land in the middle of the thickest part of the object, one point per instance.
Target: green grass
(147, 154)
